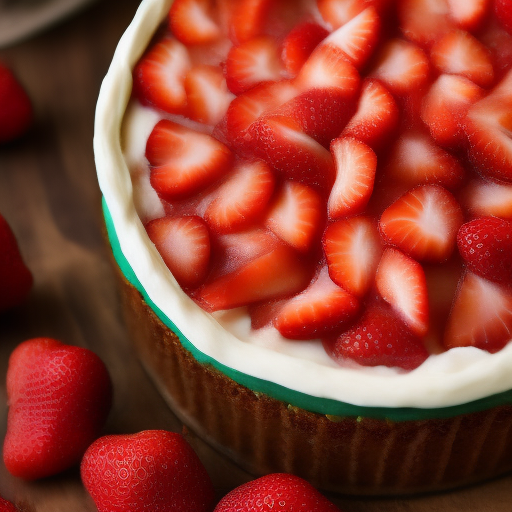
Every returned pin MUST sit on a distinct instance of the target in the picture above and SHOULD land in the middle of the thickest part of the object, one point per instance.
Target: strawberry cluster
(323, 164)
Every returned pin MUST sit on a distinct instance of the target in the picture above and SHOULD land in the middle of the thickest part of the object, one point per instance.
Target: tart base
(347, 455)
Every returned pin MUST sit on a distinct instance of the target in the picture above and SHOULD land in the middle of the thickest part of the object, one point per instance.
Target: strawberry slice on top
(247, 19)
(184, 161)
(191, 21)
(484, 198)
(469, 14)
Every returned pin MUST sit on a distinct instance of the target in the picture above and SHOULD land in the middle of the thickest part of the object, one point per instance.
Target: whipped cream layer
(455, 377)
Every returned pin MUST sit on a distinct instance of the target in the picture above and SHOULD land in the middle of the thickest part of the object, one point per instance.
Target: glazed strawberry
(356, 164)
(378, 338)
(7, 506)
(469, 14)
(59, 397)
(184, 244)
(296, 215)
(207, 95)
(277, 492)
(401, 282)
(337, 13)
(158, 78)
(251, 63)
(299, 43)
(242, 199)
(184, 161)
(15, 277)
(486, 246)
(191, 21)
(481, 315)
(503, 11)
(499, 43)
(376, 118)
(15, 106)
(460, 53)
(423, 223)
(352, 249)
(317, 311)
(488, 198)
(153, 469)
(248, 19)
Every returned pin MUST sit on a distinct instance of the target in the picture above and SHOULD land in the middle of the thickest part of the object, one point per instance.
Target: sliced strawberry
(251, 63)
(376, 118)
(416, 160)
(424, 21)
(481, 315)
(503, 11)
(484, 198)
(207, 95)
(352, 248)
(339, 12)
(299, 43)
(328, 67)
(469, 14)
(402, 66)
(275, 274)
(423, 223)
(158, 78)
(499, 43)
(358, 37)
(320, 309)
(488, 127)
(486, 246)
(191, 21)
(401, 282)
(379, 338)
(445, 107)
(355, 164)
(184, 161)
(460, 53)
(242, 198)
(184, 244)
(280, 141)
(248, 19)
(296, 215)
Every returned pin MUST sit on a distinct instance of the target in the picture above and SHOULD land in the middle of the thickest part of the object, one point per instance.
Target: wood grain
(50, 197)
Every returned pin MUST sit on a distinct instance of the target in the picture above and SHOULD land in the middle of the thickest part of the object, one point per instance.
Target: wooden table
(50, 197)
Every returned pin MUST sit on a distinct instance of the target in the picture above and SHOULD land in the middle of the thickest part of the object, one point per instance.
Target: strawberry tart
(310, 207)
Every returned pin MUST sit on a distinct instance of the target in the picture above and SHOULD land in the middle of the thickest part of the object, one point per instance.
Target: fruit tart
(310, 207)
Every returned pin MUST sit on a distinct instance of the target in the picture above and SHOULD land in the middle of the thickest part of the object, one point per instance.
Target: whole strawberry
(59, 397)
(15, 278)
(278, 492)
(486, 246)
(15, 106)
(152, 470)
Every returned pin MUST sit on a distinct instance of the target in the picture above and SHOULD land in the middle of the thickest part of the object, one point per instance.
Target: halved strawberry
(423, 223)
(376, 118)
(207, 95)
(296, 215)
(485, 244)
(499, 43)
(280, 141)
(323, 307)
(248, 19)
(415, 159)
(299, 43)
(358, 37)
(355, 164)
(192, 22)
(184, 244)
(352, 249)
(402, 66)
(460, 53)
(445, 107)
(158, 78)
(469, 14)
(378, 338)
(339, 12)
(488, 126)
(401, 282)
(503, 11)
(251, 63)
(481, 315)
(242, 198)
(484, 198)
(184, 161)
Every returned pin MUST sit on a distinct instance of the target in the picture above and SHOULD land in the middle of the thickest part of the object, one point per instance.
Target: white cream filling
(457, 376)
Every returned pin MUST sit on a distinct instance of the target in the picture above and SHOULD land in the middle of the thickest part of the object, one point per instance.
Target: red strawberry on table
(59, 397)
(15, 278)
(15, 106)
(152, 470)
(277, 492)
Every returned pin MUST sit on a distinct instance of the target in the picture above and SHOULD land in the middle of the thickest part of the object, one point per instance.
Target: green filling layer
(326, 406)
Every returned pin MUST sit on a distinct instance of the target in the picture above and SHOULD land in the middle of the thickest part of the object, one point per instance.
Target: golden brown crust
(347, 455)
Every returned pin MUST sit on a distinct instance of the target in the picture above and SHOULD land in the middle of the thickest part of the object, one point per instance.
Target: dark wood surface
(50, 197)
